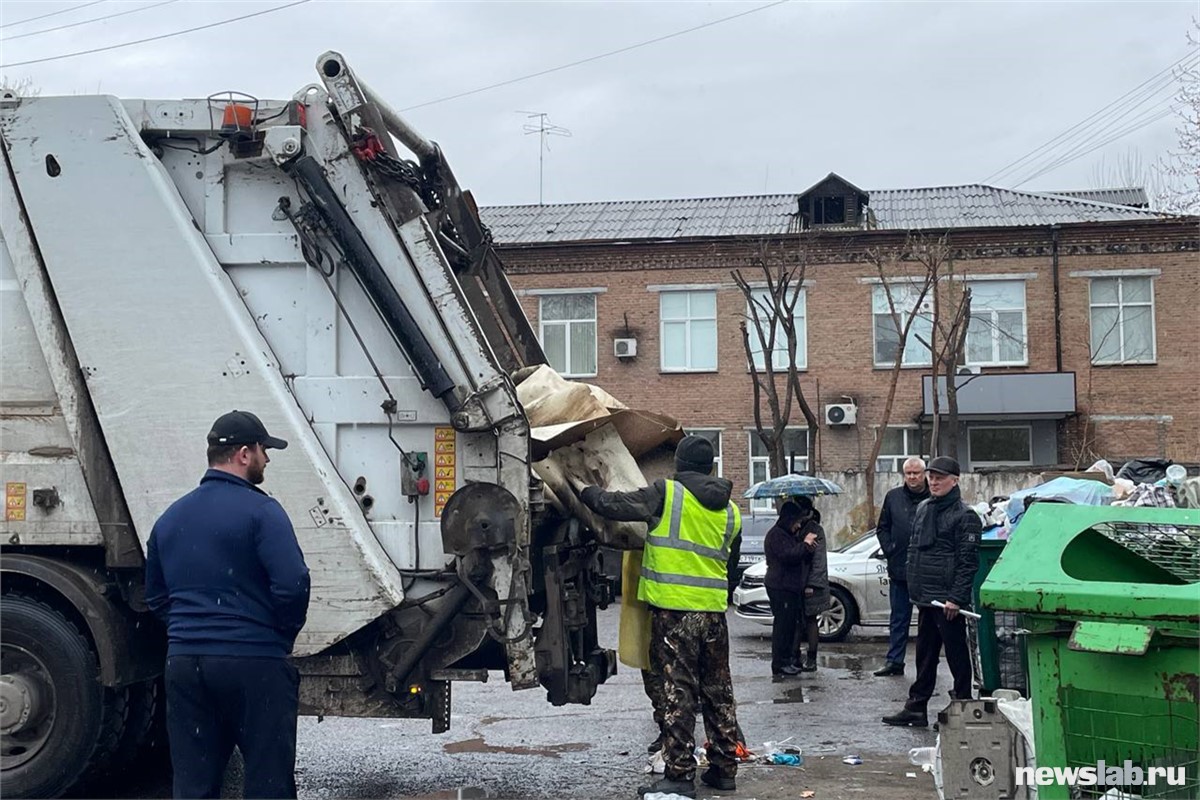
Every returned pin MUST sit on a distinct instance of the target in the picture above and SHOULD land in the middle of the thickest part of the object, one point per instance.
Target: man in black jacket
(226, 575)
(943, 556)
(893, 531)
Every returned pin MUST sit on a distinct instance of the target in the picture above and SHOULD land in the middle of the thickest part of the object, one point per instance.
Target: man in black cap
(943, 556)
(225, 574)
(694, 535)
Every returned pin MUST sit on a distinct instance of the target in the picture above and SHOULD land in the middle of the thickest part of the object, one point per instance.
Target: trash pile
(1141, 482)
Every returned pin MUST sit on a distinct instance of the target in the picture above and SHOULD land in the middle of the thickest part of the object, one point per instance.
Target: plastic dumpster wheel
(835, 622)
(56, 720)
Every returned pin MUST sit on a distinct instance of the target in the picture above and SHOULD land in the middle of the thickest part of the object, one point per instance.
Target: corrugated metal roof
(1134, 196)
(970, 206)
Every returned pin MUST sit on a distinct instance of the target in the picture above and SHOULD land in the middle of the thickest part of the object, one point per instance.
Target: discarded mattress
(581, 435)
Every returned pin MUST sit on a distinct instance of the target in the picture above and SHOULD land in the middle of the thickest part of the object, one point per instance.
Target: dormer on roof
(833, 202)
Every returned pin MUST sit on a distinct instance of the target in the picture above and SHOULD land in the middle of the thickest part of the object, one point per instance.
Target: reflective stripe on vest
(684, 567)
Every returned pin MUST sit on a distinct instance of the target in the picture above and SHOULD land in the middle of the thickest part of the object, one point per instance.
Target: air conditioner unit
(841, 414)
(624, 348)
(969, 369)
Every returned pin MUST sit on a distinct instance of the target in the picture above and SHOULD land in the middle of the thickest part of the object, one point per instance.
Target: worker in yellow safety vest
(694, 535)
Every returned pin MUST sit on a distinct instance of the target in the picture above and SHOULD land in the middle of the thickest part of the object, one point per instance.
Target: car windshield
(855, 544)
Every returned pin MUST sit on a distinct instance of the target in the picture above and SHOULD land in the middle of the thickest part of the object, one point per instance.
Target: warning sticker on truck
(14, 502)
(444, 481)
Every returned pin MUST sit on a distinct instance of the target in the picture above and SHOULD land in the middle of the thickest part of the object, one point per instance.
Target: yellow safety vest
(685, 563)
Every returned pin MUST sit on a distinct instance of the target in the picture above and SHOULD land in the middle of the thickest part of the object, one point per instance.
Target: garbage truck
(313, 261)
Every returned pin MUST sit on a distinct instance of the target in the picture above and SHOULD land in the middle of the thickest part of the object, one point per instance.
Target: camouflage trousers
(689, 652)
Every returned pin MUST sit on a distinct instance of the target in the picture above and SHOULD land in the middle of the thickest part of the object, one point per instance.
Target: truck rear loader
(313, 261)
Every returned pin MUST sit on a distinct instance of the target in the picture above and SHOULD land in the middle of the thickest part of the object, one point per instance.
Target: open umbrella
(792, 486)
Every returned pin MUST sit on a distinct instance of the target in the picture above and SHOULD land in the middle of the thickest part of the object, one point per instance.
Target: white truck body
(162, 263)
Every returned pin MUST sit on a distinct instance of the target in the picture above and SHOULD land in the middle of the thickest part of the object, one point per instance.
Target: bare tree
(21, 87)
(950, 321)
(768, 330)
(1179, 170)
(894, 269)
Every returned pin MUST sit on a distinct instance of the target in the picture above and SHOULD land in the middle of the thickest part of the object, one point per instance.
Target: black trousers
(216, 702)
(788, 609)
(935, 632)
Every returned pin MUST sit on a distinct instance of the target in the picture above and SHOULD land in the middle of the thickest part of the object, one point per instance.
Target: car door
(876, 588)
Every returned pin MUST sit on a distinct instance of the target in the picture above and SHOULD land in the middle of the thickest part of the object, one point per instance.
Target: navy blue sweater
(224, 572)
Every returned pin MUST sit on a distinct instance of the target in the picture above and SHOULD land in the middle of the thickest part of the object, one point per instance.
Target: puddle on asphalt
(465, 793)
(795, 695)
(478, 745)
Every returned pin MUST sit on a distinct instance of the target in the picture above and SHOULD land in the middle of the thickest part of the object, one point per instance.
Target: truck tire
(112, 775)
(59, 722)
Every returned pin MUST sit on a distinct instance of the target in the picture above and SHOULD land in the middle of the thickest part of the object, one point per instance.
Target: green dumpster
(1111, 601)
(997, 651)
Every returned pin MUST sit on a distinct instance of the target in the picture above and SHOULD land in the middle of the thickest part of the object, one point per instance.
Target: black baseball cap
(242, 427)
(945, 465)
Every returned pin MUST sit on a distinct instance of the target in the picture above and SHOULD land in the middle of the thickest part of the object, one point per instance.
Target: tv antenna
(543, 128)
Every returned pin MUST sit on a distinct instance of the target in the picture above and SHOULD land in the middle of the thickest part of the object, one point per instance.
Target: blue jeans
(899, 621)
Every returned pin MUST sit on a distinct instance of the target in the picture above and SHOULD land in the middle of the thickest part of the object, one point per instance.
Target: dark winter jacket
(224, 572)
(818, 573)
(943, 553)
(646, 504)
(788, 560)
(895, 526)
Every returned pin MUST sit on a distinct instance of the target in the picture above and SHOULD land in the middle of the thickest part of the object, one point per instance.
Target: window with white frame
(714, 436)
(689, 331)
(762, 305)
(901, 444)
(1122, 320)
(904, 296)
(996, 335)
(1000, 445)
(795, 451)
(568, 332)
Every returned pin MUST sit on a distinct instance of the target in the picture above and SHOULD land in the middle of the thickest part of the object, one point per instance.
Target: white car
(858, 583)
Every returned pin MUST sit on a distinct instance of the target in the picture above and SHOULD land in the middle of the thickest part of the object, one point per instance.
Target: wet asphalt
(506, 744)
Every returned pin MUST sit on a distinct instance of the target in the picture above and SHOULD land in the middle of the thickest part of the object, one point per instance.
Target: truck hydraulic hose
(376, 284)
(455, 599)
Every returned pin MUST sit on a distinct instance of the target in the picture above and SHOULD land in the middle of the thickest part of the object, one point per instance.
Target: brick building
(1083, 339)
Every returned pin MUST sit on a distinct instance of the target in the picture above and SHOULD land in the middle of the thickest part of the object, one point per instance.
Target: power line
(1008, 168)
(53, 13)
(86, 21)
(1148, 117)
(590, 59)
(1119, 122)
(153, 38)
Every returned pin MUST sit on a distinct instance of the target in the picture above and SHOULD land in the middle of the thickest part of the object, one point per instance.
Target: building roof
(970, 206)
(1134, 196)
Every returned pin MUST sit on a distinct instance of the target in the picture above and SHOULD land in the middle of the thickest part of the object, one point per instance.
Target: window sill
(888, 367)
(712, 371)
(776, 370)
(1108, 364)
(577, 376)
(1000, 365)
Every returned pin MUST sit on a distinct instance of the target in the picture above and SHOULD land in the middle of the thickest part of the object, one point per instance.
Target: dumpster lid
(1102, 563)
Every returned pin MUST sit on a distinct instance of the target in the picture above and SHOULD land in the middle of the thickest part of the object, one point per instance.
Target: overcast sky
(887, 94)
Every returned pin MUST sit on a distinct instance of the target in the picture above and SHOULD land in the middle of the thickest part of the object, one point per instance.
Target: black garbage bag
(1145, 470)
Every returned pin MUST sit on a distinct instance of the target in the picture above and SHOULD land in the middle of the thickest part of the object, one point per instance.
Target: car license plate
(751, 559)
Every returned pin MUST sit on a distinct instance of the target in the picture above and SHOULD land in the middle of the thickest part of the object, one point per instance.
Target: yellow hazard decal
(444, 481)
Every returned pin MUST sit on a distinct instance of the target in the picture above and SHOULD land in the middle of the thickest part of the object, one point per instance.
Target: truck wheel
(56, 720)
